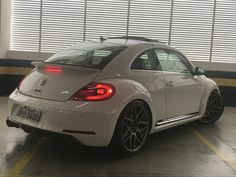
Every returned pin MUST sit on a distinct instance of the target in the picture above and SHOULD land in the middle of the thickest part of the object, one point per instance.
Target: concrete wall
(5, 11)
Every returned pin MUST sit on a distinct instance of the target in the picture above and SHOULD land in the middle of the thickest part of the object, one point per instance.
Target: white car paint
(185, 94)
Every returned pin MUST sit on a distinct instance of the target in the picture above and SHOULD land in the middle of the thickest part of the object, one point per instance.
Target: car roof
(127, 41)
(134, 41)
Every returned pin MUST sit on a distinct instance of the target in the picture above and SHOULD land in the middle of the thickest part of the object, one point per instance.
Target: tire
(214, 108)
(132, 129)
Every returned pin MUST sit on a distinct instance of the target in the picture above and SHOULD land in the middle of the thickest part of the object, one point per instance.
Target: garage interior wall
(205, 31)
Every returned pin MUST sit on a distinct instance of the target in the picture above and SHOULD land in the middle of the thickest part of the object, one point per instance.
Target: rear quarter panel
(127, 91)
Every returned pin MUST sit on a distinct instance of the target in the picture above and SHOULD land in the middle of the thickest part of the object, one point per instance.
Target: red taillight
(52, 69)
(94, 92)
(20, 82)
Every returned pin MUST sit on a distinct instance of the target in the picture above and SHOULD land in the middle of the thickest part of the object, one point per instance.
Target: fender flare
(208, 89)
(132, 91)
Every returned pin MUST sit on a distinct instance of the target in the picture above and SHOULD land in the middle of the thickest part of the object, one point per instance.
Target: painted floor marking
(22, 163)
(227, 158)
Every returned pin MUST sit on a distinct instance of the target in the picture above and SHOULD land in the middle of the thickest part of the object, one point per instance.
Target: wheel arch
(147, 106)
(129, 91)
(148, 109)
(115, 135)
(210, 87)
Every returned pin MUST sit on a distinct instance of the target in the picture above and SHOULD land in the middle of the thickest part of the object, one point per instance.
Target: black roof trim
(138, 38)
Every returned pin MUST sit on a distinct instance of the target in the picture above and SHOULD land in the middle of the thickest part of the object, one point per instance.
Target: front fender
(209, 86)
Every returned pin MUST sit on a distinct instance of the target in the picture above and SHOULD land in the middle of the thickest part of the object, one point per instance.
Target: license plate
(28, 113)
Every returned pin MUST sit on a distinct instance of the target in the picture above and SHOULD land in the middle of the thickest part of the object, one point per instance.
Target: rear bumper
(91, 123)
(44, 133)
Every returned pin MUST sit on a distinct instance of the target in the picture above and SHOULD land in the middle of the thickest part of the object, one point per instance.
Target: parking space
(190, 150)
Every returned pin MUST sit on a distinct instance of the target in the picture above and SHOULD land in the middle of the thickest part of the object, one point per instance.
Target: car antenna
(102, 39)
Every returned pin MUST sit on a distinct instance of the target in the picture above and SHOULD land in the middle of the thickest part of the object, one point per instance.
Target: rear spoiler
(62, 66)
(36, 63)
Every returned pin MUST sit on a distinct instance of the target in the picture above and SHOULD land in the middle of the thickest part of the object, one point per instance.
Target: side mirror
(199, 71)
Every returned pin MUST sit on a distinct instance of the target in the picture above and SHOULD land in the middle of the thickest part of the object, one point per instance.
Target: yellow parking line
(227, 159)
(16, 170)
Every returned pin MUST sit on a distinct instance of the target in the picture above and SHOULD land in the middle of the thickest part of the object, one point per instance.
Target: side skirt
(175, 121)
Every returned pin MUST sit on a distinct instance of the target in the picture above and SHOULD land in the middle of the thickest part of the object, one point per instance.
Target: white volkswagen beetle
(115, 91)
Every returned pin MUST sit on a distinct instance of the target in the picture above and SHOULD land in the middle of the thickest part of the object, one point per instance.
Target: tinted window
(170, 61)
(145, 61)
(96, 58)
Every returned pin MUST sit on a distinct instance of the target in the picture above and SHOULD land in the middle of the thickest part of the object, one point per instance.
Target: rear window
(96, 58)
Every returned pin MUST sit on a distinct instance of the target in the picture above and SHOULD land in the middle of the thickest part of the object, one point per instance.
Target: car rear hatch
(56, 82)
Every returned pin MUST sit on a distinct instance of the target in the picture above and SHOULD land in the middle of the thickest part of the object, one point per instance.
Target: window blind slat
(191, 28)
(25, 17)
(106, 18)
(224, 45)
(62, 24)
(150, 19)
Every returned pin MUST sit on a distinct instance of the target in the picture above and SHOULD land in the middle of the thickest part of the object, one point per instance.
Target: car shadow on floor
(71, 150)
(174, 151)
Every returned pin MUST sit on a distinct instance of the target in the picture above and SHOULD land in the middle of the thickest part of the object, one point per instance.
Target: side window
(145, 61)
(171, 62)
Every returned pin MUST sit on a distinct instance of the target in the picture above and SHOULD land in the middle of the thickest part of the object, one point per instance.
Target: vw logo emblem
(43, 82)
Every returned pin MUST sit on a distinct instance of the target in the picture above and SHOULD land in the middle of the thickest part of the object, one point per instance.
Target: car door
(183, 90)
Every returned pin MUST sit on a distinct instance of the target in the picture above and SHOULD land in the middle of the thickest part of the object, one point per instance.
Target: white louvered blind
(106, 18)
(150, 18)
(62, 24)
(191, 28)
(25, 19)
(224, 45)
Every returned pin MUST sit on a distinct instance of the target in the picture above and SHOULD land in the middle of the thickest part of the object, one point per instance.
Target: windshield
(96, 58)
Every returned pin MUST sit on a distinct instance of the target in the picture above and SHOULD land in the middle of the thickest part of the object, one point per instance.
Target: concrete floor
(190, 150)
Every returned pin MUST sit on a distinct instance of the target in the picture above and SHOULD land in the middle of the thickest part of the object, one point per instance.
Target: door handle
(170, 84)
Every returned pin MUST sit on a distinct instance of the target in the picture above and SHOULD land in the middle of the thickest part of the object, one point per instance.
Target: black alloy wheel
(214, 108)
(132, 128)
